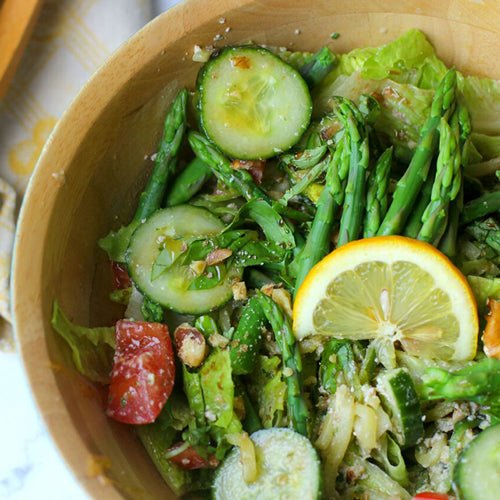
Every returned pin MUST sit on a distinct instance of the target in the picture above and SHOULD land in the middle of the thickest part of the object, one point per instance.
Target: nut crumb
(239, 290)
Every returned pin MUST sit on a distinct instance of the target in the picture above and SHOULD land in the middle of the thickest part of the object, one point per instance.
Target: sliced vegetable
(143, 372)
(287, 467)
(477, 472)
(400, 400)
(252, 104)
(156, 270)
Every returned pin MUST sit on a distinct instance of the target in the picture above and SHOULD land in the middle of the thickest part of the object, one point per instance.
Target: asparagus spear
(486, 204)
(479, 382)
(251, 423)
(487, 232)
(188, 182)
(414, 223)
(303, 183)
(116, 242)
(376, 198)
(173, 133)
(240, 180)
(318, 242)
(448, 243)
(446, 185)
(355, 133)
(317, 66)
(247, 338)
(410, 184)
(292, 362)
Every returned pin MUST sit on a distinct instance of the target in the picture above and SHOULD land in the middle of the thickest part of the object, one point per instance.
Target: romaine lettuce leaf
(157, 438)
(92, 348)
(403, 107)
(115, 243)
(268, 390)
(483, 289)
(408, 59)
(482, 98)
(488, 146)
(218, 388)
(404, 74)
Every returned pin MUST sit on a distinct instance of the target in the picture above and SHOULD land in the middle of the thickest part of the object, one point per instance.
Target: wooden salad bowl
(94, 164)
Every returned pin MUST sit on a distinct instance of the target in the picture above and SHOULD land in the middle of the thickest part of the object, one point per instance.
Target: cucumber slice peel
(252, 104)
(400, 400)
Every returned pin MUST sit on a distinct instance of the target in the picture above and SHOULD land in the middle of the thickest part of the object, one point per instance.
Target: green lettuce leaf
(92, 348)
(484, 288)
(218, 388)
(268, 390)
(409, 59)
(414, 69)
(115, 243)
(488, 146)
(482, 98)
(158, 437)
(403, 107)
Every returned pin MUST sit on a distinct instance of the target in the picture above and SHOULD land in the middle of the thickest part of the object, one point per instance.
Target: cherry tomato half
(190, 459)
(120, 276)
(429, 495)
(143, 372)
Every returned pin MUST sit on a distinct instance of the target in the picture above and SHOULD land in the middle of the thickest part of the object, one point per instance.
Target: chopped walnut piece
(268, 289)
(191, 345)
(217, 256)
(239, 290)
(283, 298)
(218, 340)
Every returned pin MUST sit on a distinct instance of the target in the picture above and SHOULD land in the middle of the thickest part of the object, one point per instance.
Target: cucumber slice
(167, 229)
(287, 465)
(252, 104)
(400, 400)
(477, 474)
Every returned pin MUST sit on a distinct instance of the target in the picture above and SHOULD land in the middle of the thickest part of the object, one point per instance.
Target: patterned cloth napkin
(71, 40)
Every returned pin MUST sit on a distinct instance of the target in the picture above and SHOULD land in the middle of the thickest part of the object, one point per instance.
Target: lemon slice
(392, 287)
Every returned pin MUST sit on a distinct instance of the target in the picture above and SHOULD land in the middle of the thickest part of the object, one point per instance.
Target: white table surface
(30, 466)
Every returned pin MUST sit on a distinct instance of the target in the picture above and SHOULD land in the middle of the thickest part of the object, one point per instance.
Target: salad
(311, 281)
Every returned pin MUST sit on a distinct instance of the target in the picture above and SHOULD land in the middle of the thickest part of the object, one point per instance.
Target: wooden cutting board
(17, 20)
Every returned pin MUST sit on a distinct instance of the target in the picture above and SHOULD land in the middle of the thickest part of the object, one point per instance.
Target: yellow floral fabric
(71, 40)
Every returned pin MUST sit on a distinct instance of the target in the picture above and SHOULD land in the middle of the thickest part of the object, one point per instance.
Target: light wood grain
(17, 20)
(94, 165)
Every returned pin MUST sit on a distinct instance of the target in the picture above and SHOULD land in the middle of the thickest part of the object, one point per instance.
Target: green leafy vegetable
(218, 391)
(268, 390)
(92, 349)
